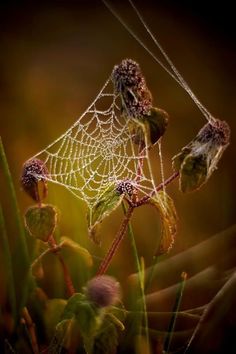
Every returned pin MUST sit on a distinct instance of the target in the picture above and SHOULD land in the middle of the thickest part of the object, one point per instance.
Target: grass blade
(175, 313)
(140, 272)
(8, 265)
(21, 257)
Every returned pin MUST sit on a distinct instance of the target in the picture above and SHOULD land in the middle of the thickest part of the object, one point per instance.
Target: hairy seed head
(125, 187)
(103, 290)
(33, 171)
(130, 83)
(218, 133)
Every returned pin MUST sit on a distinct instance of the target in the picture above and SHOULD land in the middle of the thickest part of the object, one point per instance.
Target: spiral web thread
(98, 150)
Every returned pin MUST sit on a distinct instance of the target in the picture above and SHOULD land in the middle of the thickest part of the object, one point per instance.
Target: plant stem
(68, 281)
(146, 198)
(31, 328)
(151, 274)
(116, 242)
(8, 265)
(175, 313)
(138, 269)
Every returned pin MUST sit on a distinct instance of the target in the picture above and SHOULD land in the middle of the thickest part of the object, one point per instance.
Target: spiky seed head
(103, 291)
(130, 83)
(33, 171)
(217, 132)
(125, 187)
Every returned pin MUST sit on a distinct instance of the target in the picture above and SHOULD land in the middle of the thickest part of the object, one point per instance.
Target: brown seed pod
(34, 172)
(130, 83)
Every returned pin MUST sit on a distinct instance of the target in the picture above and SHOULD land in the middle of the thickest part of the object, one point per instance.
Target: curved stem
(68, 281)
(116, 242)
(146, 198)
(31, 329)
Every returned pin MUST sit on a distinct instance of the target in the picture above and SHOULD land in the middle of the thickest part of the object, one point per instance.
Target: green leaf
(85, 316)
(148, 129)
(52, 315)
(108, 201)
(193, 172)
(62, 337)
(69, 248)
(106, 340)
(41, 221)
(72, 305)
(165, 206)
(178, 159)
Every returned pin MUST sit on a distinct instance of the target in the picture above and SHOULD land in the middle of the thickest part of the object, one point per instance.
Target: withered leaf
(108, 201)
(166, 208)
(148, 129)
(41, 221)
(200, 157)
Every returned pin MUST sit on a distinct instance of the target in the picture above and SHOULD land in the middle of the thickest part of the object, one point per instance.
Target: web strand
(97, 151)
(173, 72)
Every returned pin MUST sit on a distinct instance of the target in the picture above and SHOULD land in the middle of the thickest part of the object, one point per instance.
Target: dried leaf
(148, 129)
(200, 157)
(193, 173)
(69, 248)
(108, 201)
(41, 221)
(165, 206)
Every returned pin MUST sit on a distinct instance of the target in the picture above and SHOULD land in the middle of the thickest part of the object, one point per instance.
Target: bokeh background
(55, 57)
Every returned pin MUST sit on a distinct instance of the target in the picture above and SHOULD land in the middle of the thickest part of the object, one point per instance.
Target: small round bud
(103, 290)
(217, 132)
(34, 171)
(130, 83)
(125, 187)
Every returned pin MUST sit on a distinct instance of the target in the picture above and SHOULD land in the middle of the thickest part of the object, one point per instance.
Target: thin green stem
(151, 273)
(175, 313)
(8, 265)
(17, 216)
(21, 256)
(139, 271)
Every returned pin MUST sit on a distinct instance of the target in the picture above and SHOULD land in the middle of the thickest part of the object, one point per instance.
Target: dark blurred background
(55, 57)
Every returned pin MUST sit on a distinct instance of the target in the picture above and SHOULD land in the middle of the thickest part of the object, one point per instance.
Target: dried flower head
(103, 290)
(33, 171)
(200, 157)
(125, 187)
(130, 83)
(215, 133)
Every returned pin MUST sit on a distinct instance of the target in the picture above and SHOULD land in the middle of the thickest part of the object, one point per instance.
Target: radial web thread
(98, 150)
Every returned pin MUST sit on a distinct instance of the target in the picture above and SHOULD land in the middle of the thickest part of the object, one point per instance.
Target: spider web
(98, 150)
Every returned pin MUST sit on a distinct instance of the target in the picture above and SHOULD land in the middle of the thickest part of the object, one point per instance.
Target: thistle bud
(33, 172)
(103, 291)
(130, 83)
